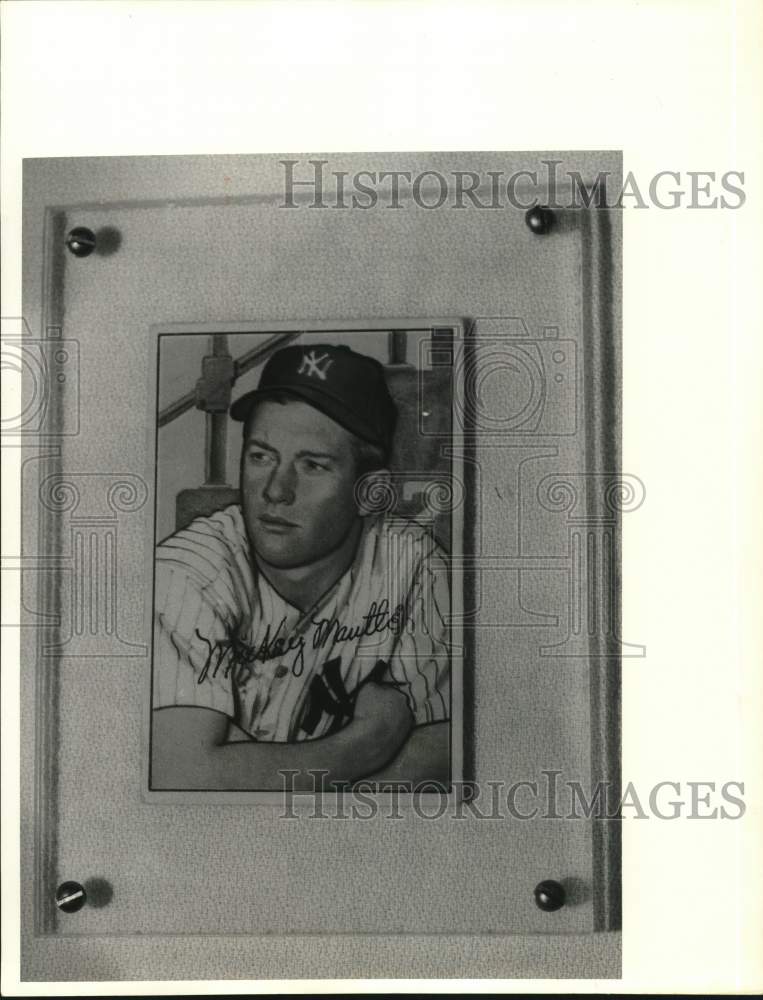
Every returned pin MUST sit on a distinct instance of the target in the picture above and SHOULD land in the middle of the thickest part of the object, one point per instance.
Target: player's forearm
(190, 752)
(425, 757)
(340, 758)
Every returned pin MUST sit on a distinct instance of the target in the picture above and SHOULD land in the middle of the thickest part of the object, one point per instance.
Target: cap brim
(323, 401)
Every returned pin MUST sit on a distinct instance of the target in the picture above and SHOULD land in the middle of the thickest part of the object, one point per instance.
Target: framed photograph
(306, 621)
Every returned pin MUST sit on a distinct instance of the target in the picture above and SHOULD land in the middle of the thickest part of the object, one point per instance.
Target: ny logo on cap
(315, 366)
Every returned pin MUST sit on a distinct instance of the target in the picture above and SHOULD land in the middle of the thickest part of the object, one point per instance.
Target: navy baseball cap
(346, 386)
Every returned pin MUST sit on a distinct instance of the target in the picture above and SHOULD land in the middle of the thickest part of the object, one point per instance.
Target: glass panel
(538, 574)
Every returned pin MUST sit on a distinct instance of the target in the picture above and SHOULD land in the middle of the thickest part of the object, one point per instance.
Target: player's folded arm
(191, 750)
(424, 758)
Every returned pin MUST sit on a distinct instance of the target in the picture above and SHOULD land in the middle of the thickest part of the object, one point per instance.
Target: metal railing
(220, 372)
(247, 361)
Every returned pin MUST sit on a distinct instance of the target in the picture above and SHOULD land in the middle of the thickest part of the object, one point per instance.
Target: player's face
(297, 484)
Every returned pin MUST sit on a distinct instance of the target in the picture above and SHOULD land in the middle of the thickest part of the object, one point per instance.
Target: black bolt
(549, 895)
(81, 241)
(539, 220)
(70, 897)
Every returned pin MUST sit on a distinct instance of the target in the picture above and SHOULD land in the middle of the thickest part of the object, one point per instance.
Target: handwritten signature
(239, 656)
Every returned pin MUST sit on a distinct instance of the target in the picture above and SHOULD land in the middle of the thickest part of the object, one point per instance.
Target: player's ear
(375, 493)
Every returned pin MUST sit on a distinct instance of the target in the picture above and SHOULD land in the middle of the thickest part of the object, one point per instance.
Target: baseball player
(301, 630)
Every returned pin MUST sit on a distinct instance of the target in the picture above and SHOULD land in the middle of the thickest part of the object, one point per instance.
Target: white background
(676, 86)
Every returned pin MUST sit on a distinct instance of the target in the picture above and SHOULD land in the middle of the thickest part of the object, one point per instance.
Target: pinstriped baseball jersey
(226, 640)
